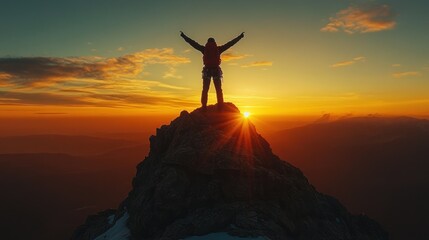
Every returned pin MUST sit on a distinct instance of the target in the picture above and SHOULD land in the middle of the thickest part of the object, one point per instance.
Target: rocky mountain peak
(209, 171)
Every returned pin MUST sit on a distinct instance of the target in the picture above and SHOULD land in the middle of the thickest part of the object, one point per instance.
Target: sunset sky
(298, 57)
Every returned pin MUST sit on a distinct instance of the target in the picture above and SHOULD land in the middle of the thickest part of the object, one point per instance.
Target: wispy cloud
(5, 84)
(348, 62)
(242, 97)
(396, 65)
(21, 98)
(258, 64)
(4, 76)
(334, 97)
(109, 100)
(230, 56)
(4, 79)
(406, 74)
(172, 73)
(50, 113)
(362, 19)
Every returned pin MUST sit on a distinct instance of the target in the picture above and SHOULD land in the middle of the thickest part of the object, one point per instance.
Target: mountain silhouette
(210, 175)
(384, 159)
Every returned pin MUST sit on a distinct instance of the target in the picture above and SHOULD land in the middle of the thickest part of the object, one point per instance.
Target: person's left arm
(231, 43)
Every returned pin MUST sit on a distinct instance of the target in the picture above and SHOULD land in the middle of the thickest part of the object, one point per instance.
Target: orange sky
(298, 58)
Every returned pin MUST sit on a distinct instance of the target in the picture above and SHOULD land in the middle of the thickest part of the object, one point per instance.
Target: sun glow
(246, 114)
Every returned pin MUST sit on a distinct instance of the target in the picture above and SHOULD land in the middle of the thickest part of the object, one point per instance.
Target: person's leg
(218, 85)
(204, 94)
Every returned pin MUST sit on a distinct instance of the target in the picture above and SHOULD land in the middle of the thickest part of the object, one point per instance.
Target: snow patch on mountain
(119, 231)
(223, 236)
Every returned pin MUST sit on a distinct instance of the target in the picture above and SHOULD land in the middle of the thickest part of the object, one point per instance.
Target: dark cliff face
(210, 171)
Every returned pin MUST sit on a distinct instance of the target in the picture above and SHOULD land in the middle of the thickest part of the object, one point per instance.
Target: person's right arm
(192, 42)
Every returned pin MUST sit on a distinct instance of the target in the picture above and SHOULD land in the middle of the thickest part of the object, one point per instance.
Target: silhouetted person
(211, 58)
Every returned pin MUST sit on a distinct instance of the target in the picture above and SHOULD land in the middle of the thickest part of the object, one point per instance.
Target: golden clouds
(90, 81)
(258, 64)
(44, 71)
(362, 19)
(230, 56)
(349, 62)
(108, 100)
(405, 74)
(4, 76)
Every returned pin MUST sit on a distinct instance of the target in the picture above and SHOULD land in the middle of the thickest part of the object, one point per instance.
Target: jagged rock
(94, 225)
(210, 171)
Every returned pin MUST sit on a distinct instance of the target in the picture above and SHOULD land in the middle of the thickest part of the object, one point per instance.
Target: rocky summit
(209, 173)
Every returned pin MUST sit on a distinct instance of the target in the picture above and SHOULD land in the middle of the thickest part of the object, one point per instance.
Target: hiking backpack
(211, 56)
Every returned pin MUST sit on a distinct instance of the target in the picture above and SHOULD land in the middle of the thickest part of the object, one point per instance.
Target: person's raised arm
(192, 42)
(231, 43)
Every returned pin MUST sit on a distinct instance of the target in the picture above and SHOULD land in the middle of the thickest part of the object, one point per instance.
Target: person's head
(211, 40)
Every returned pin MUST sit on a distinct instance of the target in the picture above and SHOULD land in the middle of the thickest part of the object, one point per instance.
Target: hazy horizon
(102, 125)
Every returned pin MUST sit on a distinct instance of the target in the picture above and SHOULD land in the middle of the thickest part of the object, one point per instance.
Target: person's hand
(242, 35)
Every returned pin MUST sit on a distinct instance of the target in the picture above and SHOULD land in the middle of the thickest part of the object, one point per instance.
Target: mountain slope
(383, 159)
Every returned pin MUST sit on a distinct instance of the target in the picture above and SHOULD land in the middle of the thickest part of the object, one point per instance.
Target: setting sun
(177, 123)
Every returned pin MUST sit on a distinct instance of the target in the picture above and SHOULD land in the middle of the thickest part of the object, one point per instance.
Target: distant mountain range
(374, 165)
(73, 145)
(46, 195)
